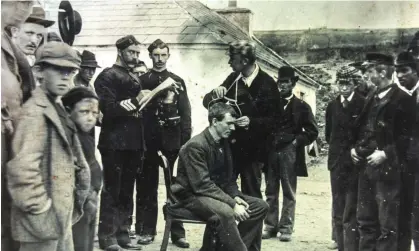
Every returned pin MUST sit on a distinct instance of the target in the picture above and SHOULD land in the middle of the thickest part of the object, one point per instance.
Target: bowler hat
(77, 94)
(375, 58)
(287, 72)
(406, 58)
(88, 59)
(38, 17)
(69, 22)
(58, 54)
(125, 42)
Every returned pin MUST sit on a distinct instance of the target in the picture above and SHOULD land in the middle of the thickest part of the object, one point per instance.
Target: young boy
(48, 177)
(83, 106)
(340, 114)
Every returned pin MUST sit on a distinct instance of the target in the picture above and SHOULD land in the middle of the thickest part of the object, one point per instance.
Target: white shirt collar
(383, 94)
(411, 91)
(249, 80)
(288, 99)
(349, 98)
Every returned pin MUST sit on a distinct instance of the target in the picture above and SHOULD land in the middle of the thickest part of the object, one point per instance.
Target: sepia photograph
(209, 125)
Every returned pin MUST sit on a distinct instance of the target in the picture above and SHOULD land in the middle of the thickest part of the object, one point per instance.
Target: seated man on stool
(206, 185)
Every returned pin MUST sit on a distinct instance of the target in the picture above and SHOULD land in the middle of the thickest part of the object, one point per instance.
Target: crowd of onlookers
(51, 180)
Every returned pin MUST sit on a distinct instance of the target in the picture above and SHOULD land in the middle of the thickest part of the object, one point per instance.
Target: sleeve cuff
(129, 104)
(47, 206)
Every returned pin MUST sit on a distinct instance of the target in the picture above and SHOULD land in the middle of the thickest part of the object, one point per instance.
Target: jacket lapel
(50, 112)
(386, 99)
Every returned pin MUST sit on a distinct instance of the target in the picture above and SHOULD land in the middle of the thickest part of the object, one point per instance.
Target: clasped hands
(375, 159)
(241, 209)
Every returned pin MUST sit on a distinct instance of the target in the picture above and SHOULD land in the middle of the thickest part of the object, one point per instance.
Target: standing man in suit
(121, 144)
(292, 127)
(168, 127)
(340, 116)
(87, 69)
(407, 73)
(380, 150)
(249, 89)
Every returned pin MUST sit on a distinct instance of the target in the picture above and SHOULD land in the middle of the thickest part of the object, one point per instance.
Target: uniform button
(67, 170)
(67, 195)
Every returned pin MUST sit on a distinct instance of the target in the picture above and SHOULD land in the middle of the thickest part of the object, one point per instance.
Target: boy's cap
(77, 94)
(58, 54)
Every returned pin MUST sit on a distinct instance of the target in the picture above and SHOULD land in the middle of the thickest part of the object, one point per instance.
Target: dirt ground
(313, 218)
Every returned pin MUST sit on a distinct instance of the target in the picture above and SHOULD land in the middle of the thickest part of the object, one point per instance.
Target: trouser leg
(406, 207)
(119, 172)
(338, 201)
(221, 215)
(132, 165)
(84, 233)
(147, 192)
(350, 226)
(251, 229)
(367, 211)
(272, 193)
(251, 178)
(388, 201)
(288, 178)
(415, 218)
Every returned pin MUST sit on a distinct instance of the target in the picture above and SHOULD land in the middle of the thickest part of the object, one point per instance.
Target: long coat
(340, 129)
(35, 176)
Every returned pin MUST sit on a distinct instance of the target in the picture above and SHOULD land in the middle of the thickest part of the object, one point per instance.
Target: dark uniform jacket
(122, 124)
(305, 128)
(413, 151)
(250, 143)
(201, 174)
(164, 136)
(340, 129)
(392, 128)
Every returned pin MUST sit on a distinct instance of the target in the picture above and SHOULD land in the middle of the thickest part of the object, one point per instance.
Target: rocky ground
(313, 218)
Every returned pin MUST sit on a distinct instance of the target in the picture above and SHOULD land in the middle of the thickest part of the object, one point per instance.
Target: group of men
(53, 178)
(50, 176)
(373, 155)
(255, 124)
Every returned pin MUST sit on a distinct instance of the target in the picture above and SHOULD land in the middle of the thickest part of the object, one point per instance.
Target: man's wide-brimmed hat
(88, 59)
(38, 17)
(69, 22)
(287, 72)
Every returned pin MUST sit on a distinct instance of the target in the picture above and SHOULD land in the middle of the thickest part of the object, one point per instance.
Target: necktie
(345, 103)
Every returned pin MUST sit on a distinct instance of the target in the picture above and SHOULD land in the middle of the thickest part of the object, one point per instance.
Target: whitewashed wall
(202, 67)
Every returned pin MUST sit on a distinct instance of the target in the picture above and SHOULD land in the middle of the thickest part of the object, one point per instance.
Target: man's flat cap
(348, 72)
(126, 42)
(378, 58)
(58, 54)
